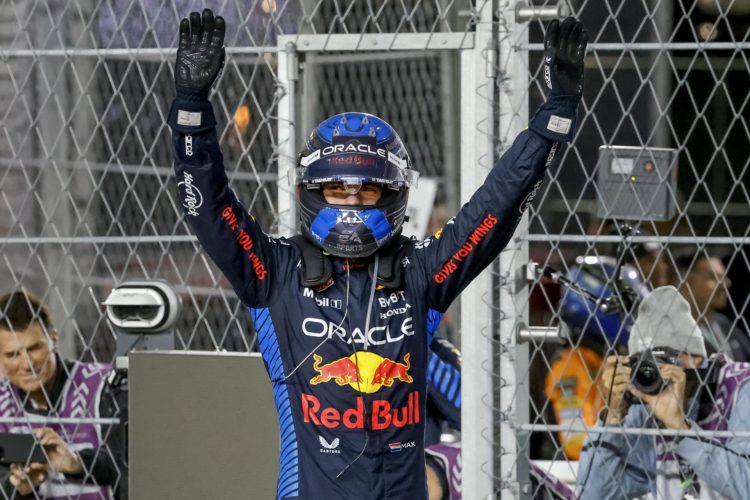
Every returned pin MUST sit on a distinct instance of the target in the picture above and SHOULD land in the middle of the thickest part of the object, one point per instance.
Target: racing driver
(343, 311)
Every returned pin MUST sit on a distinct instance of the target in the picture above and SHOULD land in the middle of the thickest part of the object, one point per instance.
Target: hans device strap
(317, 269)
(316, 266)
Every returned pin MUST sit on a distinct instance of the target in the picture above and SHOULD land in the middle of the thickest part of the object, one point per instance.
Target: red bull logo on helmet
(364, 371)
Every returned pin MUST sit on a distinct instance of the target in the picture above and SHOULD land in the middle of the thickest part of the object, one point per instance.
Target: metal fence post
(513, 388)
(287, 137)
(477, 92)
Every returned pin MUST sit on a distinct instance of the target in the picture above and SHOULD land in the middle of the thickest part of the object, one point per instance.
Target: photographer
(693, 393)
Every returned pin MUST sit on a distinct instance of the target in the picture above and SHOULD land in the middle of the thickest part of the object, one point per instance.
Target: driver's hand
(200, 54)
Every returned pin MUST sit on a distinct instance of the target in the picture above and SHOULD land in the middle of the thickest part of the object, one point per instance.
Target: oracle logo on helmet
(354, 148)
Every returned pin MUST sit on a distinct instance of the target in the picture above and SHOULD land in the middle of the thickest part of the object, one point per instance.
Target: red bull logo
(364, 371)
(383, 414)
(388, 371)
(343, 371)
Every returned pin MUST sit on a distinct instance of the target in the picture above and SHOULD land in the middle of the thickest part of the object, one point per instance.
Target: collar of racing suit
(317, 266)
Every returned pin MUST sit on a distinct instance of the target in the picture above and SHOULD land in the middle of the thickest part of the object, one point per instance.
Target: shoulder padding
(390, 270)
(316, 266)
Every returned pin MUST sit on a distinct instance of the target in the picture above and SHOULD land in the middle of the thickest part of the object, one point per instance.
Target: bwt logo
(192, 199)
(391, 299)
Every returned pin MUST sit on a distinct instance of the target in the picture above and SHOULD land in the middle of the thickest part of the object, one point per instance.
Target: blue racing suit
(351, 403)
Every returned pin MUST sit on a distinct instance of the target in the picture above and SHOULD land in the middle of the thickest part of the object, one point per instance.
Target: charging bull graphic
(363, 371)
(344, 371)
(388, 371)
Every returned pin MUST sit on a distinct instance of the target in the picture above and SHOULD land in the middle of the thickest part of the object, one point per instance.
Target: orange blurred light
(268, 6)
(708, 32)
(242, 117)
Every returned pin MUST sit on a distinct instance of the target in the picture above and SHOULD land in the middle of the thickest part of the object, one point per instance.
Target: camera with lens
(645, 374)
(144, 313)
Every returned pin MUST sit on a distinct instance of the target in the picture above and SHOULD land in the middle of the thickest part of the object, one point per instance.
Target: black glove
(200, 55)
(564, 48)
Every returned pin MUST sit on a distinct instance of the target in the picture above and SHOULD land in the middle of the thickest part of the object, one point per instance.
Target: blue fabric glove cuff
(557, 119)
(191, 112)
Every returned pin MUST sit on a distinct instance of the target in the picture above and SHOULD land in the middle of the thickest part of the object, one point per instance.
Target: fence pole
(513, 384)
(477, 92)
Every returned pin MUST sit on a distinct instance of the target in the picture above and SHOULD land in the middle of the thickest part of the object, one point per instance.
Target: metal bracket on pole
(523, 484)
(526, 275)
(491, 63)
(539, 334)
(288, 73)
(526, 13)
(292, 63)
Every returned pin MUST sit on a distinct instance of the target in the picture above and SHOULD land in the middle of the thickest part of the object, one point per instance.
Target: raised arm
(483, 227)
(248, 258)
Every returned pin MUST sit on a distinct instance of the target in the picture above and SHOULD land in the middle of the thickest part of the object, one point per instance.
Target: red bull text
(383, 415)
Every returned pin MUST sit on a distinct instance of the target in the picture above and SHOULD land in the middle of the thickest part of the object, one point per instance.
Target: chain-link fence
(88, 199)
(663, 82)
